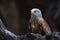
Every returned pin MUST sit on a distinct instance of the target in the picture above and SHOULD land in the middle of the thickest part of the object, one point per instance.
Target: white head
(34, 10)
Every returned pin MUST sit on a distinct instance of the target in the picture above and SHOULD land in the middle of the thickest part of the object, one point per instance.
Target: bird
(35, 26)
(37, 14)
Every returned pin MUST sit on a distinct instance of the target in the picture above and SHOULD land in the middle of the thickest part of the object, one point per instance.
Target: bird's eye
(35, 11)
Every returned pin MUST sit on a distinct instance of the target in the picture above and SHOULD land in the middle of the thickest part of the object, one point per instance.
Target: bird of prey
(36, 13)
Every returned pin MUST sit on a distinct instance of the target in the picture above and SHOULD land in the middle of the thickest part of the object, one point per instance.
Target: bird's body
(38, 16)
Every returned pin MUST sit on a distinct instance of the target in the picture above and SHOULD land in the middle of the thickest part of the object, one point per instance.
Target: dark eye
(35, 11)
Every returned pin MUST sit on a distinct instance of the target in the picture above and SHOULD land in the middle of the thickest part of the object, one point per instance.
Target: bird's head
(36, 12)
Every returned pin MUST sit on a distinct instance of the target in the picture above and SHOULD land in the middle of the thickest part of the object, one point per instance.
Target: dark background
(11, 9)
